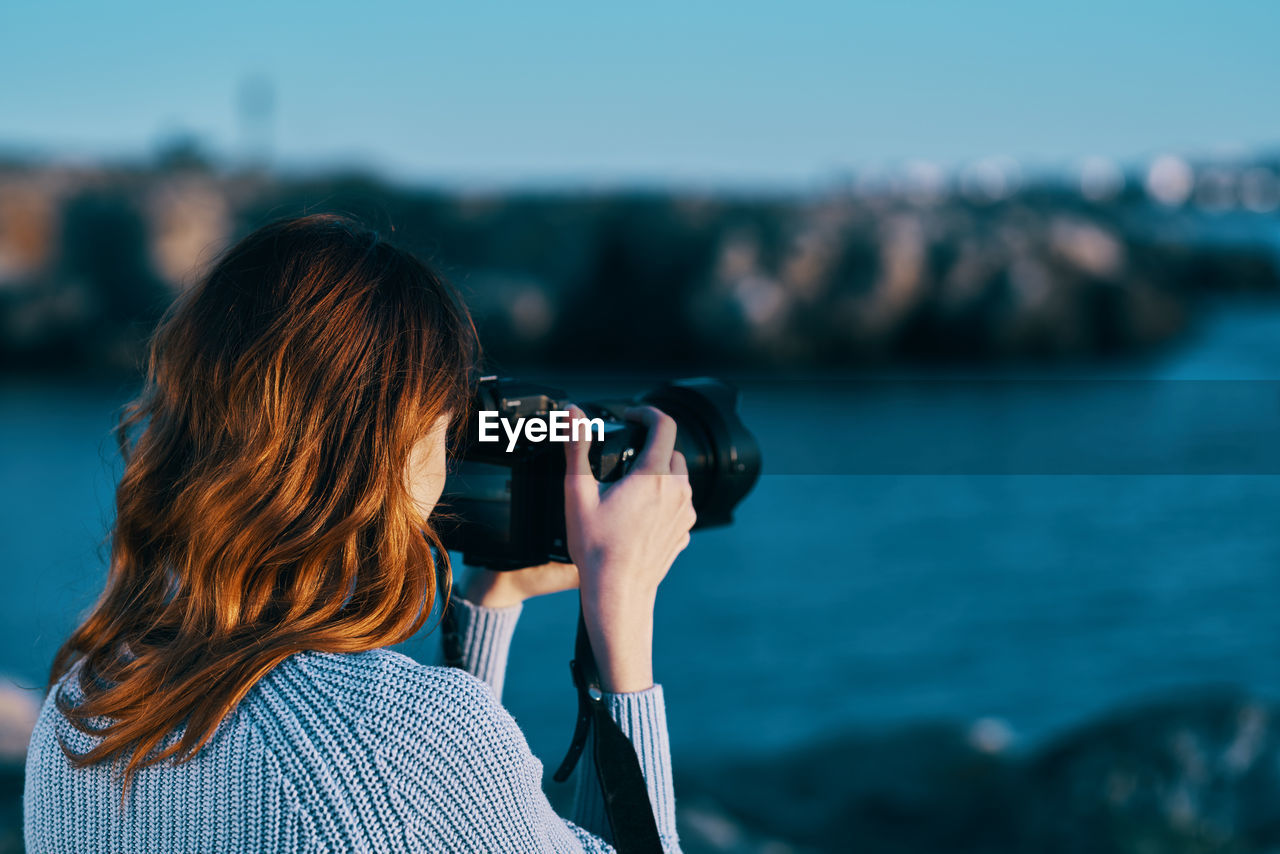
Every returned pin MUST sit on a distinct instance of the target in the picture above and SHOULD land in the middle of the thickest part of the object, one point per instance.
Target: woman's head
(289, 445)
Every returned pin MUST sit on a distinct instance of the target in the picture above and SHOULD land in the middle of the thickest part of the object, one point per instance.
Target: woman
(230, 691)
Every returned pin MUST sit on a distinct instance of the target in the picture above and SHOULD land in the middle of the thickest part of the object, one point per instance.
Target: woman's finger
(655, 457)
(679, 465)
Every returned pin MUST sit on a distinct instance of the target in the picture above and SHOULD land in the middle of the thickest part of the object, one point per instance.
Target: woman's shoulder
(409, 719)
(379, 690)
(52, 725)
(373, 674)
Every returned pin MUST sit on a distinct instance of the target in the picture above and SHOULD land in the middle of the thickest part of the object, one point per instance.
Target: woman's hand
(492, 589)
(623, 540)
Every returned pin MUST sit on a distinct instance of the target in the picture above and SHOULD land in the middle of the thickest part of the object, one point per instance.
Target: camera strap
(622, 784)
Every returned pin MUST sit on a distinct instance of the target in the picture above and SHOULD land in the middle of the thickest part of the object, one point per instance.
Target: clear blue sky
(708, 92)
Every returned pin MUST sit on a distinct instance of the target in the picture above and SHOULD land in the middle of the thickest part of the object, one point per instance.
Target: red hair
(263, 508)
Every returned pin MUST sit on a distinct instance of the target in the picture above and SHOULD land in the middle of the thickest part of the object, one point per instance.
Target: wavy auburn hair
(264, 507)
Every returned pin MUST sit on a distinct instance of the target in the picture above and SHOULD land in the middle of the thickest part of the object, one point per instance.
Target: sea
(1022, 549)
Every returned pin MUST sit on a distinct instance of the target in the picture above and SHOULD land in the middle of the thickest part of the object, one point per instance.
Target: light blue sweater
(347, 753)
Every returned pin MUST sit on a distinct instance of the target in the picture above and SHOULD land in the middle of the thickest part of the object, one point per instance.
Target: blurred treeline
(89, 257)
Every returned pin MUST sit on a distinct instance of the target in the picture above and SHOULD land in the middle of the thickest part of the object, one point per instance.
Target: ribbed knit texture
(346, 752)
(486, 640)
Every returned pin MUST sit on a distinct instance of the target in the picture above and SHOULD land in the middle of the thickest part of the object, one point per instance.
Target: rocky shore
(89, 258)
(1192, 774)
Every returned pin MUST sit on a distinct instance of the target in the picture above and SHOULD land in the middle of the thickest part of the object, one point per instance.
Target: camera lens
(723, 456)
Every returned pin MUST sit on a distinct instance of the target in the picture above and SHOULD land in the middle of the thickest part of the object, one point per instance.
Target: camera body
(503, 505)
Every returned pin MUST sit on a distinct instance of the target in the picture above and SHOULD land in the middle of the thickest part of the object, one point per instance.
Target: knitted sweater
(347, 753)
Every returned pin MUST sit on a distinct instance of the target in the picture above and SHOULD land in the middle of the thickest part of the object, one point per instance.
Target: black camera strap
(622, 784)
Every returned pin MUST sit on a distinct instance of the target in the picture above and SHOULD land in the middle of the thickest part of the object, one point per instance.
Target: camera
(503, 504)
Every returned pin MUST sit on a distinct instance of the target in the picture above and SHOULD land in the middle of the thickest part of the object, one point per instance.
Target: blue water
(940, 591)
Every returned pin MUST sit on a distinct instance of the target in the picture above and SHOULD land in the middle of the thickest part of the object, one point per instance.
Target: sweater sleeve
(485, 639)
(642, 718)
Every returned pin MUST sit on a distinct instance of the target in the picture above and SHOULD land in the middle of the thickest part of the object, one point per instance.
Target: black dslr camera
(503, 507)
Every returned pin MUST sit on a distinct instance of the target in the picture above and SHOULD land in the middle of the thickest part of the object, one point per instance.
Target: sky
(714, 93)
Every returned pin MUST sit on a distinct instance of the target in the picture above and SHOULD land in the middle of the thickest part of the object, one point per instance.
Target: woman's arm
(624, 539)
(484, 639)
